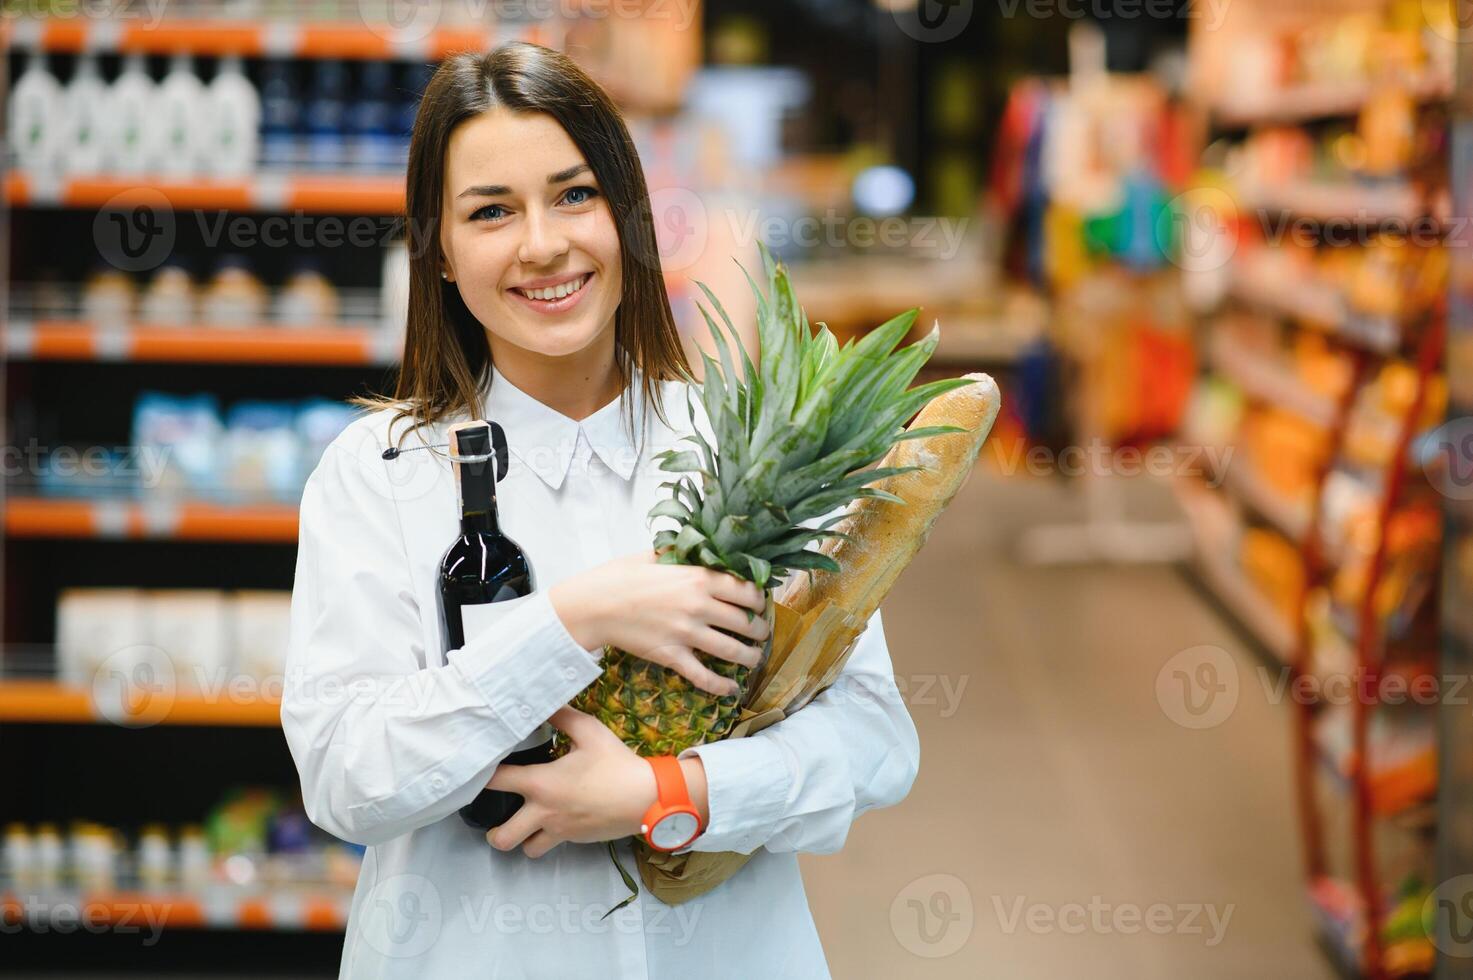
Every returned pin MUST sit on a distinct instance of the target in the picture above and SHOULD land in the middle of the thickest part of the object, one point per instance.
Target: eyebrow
(496, 190)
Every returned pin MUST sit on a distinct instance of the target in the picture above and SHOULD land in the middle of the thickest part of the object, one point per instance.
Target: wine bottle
(483, 566)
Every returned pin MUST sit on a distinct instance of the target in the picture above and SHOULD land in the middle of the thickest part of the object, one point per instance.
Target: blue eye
(572, 195)
(484, 213)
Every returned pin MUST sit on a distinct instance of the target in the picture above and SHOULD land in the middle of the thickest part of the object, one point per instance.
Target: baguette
(884, 535)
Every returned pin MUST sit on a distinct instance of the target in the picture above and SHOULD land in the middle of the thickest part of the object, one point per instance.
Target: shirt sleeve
(797, 785)
(384, 739)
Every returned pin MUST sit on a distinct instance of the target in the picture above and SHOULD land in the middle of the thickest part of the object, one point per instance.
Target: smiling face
(527, 236)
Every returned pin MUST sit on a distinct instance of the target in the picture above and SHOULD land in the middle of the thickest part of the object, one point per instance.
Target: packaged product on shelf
(259, 623)
(371, 144)
(234, 297)
(260, 450)
(83, 103)
(319, 421)
(326, 115)
(190, 627)
(187, 430)
(129, 101)
(280, 116)
(34, 117)
(394, 288)
(195, 863)
(235, 115)
(179, 122)
(155, 857)
(20, 856)
(170, 298)
(108, 297)
(50, 856)
(92, 625)
(308, 299)
(94, 857)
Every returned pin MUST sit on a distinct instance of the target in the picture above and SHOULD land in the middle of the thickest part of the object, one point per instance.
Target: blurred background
(1189, 654)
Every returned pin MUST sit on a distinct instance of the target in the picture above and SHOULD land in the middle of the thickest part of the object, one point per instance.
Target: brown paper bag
(808, 652)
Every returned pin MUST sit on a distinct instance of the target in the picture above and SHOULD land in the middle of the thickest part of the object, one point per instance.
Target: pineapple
(792, 439)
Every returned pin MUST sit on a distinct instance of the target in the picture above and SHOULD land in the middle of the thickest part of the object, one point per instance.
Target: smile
(553, 299)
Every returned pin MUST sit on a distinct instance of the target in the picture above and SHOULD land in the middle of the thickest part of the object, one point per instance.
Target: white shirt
(391, 736)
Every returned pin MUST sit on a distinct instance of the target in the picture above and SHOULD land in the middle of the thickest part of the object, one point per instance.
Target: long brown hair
(447, 358)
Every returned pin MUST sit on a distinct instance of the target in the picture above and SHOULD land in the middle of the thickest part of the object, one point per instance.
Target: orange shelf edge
(31, 517)
(35, 701)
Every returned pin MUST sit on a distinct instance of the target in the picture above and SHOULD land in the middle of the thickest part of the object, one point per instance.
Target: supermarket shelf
(50, 702)
(40, 517)
(1290, 517)
(1324, 100)
(1260, 285)
(226, 909)
(1343, 201)
(258, 38)
(1216, 570)
(1247, 604)
(76, 340)
(374, 194)
(1268, 379)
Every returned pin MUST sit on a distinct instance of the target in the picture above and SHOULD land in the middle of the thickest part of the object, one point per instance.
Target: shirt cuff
(527, 665)
(747, 785)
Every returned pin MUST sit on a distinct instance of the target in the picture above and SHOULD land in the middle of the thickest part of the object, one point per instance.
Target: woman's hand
(664, 613)
(599, 791)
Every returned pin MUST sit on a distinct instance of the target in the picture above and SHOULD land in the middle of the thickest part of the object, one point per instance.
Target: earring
(444, 275)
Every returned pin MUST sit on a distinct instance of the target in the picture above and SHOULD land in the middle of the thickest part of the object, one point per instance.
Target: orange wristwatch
(672, 821)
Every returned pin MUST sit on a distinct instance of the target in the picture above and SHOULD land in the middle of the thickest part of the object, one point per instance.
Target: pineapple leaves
(792, 437)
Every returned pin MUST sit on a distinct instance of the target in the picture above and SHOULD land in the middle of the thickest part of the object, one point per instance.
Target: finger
(540, 843)
(517, 828)
(579, 726)
(513, 779)
(703, 677)
(738, 591)
(729, 648)
(738, 619)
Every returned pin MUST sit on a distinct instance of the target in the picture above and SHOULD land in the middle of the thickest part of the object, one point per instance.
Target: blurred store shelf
(51, 702)
(1289, 516)
(1216, 567)
(158, 517)
(1268, 379)
(75, 340)
(307, 193)
(213, 909)
(1343, 201)
(1320, 100)
(260, 38)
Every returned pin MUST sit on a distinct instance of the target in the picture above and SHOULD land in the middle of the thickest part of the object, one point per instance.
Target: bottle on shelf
(481, 573)
(35, 107)
(178, 122)
(281, 116)
(235, 116)
(129, 100)
(82, 105)
(326, 115)
(370, 144)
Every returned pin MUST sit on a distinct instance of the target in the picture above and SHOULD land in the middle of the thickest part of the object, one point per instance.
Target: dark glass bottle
(481, 566)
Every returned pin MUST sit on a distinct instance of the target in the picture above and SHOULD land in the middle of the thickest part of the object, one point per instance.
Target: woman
(537, 301)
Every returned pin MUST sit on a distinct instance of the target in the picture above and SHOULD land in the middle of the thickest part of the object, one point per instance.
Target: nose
(542, 240)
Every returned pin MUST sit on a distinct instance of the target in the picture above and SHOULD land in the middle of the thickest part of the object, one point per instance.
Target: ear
(447, 271)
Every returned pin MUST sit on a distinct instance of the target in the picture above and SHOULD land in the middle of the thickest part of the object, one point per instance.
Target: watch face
(673, 831)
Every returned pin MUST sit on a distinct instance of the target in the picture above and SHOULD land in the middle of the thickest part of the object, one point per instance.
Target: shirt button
(437, 781)
(526, 710)
(569, 673)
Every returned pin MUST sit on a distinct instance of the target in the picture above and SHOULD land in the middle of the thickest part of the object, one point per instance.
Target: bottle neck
(478, 498)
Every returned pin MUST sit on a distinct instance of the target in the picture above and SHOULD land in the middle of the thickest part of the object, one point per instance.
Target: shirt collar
(545, 439)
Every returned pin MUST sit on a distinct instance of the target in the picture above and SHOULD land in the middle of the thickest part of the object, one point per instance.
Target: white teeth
(556, 292)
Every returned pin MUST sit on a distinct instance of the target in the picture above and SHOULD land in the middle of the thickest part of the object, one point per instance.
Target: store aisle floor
(1071, 814)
